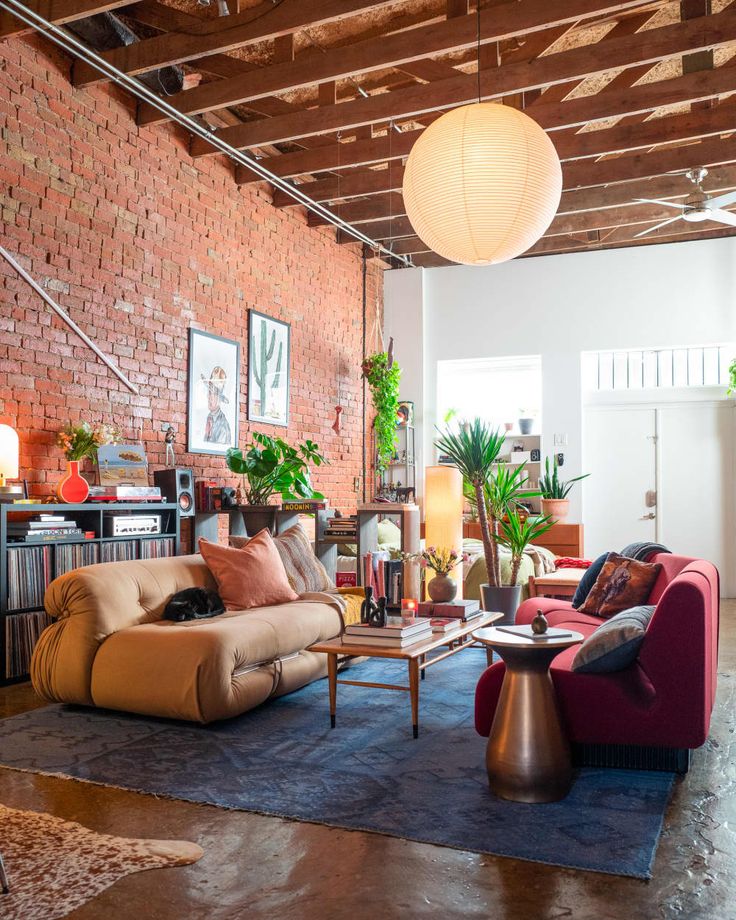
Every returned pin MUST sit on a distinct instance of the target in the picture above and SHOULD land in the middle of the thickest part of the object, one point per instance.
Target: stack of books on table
(44, 528)
(446, 618)
(398, 632)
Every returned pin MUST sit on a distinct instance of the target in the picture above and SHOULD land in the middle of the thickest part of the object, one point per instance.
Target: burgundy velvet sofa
(651, 714)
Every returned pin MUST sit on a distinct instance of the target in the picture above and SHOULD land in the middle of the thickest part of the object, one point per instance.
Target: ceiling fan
(698, 206)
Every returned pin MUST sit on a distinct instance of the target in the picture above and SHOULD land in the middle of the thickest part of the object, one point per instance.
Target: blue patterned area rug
(366, 774)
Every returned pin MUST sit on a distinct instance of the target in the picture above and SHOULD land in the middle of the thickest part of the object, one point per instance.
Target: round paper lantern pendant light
(482, 184)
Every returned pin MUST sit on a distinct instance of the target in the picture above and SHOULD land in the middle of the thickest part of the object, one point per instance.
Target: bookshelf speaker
(177, 486)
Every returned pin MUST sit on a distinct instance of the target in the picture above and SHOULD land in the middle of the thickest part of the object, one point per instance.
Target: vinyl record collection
(158, 548)
(29, 574)
(21, 634)
(73, 556)
(119, 551)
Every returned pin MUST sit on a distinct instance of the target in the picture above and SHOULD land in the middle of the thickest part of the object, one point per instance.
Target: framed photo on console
(269, 353)
(214, 393)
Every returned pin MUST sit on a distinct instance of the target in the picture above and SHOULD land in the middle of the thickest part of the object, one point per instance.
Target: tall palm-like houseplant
(473, 448)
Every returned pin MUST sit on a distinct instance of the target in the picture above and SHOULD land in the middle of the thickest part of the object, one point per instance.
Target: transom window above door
(652, 368)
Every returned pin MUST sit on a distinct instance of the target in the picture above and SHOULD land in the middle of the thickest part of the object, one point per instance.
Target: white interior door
(619, 452)
(696, 484)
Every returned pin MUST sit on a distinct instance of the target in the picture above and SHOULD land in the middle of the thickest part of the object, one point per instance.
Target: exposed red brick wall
(138, 242)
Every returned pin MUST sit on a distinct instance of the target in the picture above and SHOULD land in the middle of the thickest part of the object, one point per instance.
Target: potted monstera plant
(269, 466)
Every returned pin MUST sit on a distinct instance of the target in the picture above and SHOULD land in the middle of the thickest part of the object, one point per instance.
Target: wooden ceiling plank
(373, 54)
(650, 46)
(57, 11)
(580, 174)
(209, 36)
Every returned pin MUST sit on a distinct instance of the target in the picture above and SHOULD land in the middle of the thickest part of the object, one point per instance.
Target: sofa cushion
(303, 569)
(615, 644)
(622, 583)
(588, 580)
(250, 577)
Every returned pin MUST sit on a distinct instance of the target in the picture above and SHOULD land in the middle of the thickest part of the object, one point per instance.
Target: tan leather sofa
(109, 646)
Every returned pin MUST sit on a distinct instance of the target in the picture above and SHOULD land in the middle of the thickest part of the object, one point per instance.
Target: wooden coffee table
(414, 655)
(528, 754)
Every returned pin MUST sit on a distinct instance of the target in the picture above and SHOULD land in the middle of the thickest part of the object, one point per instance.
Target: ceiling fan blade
(666, 204)
(724, 217)
(722, 201)
(657, 226)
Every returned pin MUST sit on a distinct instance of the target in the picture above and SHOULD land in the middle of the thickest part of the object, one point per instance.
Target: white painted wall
(557, 306)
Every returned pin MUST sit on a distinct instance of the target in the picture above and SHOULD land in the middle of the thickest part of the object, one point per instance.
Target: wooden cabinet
(561, 539)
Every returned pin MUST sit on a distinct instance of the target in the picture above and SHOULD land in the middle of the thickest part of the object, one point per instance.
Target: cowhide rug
(55, 866)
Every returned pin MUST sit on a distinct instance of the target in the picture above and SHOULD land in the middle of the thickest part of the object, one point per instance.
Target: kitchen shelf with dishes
(39, 542)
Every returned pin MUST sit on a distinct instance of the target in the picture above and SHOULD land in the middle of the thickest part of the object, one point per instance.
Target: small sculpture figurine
(336, 425)
(169, 437)
(540, 624)
(378, 613)
(368, 606)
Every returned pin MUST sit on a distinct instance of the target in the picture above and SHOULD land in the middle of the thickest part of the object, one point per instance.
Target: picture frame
(213, 402)
(405, 414)
(269, 344)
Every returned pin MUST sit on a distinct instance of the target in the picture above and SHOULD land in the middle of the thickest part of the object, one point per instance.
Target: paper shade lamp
(9, 451)
(482, 184)
(443, 512)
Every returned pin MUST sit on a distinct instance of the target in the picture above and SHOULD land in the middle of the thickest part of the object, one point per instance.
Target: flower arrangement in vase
(78, 442)
(442, 588)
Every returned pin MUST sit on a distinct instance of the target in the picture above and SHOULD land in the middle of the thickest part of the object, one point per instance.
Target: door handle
(648, 517)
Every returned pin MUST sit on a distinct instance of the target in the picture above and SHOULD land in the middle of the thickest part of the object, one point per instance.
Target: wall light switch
(560, 439)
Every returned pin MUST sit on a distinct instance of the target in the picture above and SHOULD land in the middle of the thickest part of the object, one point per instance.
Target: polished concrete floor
(256, 866)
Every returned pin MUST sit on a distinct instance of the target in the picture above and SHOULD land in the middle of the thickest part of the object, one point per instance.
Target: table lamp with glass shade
(9, 452)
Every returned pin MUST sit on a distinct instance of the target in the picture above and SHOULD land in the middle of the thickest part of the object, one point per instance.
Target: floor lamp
(443, 513)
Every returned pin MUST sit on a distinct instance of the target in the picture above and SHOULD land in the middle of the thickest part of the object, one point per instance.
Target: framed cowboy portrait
(269, 342)
(214, 393)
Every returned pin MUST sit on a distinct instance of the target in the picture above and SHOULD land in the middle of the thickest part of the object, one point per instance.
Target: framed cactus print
(269, 354)
(214, 388)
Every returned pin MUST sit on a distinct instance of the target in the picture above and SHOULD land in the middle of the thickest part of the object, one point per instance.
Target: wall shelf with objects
(526, 449)
(39, 542)
(398, 482)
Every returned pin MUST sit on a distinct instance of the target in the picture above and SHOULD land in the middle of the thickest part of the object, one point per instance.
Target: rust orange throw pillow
(621, 584)
(250, 577)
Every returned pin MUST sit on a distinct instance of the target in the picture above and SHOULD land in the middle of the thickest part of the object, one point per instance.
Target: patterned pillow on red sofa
(622, 583)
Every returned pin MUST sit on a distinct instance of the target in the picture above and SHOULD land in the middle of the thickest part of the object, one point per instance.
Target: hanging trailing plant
(382, 374)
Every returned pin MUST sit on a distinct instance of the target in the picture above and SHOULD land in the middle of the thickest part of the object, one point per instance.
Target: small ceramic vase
(540, 624)
(73, 488)
(442, 589)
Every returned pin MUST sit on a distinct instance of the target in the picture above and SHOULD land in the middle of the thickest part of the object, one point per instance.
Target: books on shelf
(304, 507)
(29, 574)
(386, 576)
(344, 527)
(43, 528)
(346, 579)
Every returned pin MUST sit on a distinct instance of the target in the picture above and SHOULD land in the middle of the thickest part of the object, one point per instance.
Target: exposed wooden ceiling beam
(210, 36)
(650, 46)
(578, 174)
(376, 53)
(689, 126)
(58, 12)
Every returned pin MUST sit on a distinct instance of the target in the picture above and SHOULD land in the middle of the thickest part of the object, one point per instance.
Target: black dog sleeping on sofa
(193, 604)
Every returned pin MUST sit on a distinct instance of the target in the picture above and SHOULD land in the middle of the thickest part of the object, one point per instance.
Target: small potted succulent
(442, 588)
(270, 466)
(555, 503)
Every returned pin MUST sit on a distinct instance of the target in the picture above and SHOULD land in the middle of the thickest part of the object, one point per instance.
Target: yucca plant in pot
(270, 466)
(515, 534)
(473, 447)
(554, 491)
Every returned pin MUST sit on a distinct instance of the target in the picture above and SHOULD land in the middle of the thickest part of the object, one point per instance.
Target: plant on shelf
(555, 491)
(516, 533)
(382, 374)
(270, 466)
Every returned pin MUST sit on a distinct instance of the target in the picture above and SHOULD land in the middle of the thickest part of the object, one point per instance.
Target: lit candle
(409, 605)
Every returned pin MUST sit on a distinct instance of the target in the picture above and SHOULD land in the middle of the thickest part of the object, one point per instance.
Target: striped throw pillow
(303, 569)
